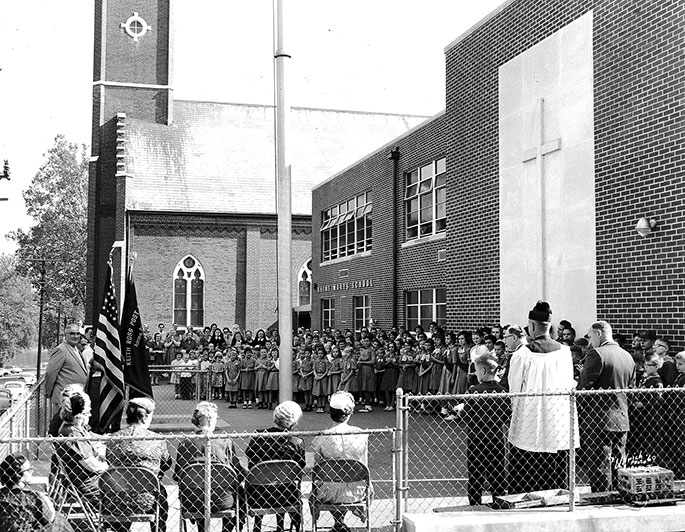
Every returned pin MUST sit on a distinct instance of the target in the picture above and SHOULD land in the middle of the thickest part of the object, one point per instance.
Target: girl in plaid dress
(217, 370)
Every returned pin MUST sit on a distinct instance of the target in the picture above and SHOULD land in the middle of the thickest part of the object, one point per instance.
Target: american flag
(107, 354)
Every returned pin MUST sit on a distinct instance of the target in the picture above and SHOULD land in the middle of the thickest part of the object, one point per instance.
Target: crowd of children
(373, 364)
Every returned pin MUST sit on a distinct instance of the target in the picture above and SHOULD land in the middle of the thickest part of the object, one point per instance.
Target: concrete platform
(605, 518)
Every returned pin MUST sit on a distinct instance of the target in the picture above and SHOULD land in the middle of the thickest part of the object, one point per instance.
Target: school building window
(362, 311)
(425, 200)
(424, 306)
(346, 228)
(328, 313)
(189, 293)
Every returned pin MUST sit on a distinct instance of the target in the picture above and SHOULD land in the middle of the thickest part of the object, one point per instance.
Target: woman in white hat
(341, 441)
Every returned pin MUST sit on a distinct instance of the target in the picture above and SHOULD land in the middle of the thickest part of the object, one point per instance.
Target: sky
(360, 55)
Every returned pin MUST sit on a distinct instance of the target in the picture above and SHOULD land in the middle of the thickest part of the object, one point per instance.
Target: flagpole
(283, 210)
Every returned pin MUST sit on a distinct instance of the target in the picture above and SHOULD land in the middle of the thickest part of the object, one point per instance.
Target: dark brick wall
(377, 173)
(102, 193)
(141, 61)
(638, 73)
(238, 255)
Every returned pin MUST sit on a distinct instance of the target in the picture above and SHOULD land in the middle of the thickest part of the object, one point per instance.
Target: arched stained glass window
(189, 293)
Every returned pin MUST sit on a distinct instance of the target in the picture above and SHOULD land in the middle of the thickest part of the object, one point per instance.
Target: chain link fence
(446, 451)
(528, 450)
(237, 481)
(27, 416)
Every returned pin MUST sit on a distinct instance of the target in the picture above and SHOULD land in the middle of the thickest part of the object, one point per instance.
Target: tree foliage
(18, 311)
(57, 200)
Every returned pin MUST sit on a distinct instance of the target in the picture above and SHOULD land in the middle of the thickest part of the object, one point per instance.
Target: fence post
(27, 425)
(405, 449)
(572, 452)
(198, 387)
(398, 459)
(208, 483)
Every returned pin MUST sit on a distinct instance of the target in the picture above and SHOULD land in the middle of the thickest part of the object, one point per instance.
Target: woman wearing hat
(341, 441)
(221, 450)
(83, 459)
(282, 447)
(144, 452)
(21, 509)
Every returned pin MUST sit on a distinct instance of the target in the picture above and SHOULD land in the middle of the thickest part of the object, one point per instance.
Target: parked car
(10, 370)
(5, 400)
(29, 378)
(17, 389)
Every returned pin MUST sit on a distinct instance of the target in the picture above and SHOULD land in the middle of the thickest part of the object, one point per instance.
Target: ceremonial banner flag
(107, 355)
(134, 348)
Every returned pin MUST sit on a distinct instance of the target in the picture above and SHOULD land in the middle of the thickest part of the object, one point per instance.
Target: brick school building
(563, 129)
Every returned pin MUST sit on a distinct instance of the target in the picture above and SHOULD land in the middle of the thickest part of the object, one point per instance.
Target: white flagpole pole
(283, 210)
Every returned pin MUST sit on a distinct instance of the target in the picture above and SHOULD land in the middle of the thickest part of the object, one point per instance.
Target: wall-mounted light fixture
(644, 226)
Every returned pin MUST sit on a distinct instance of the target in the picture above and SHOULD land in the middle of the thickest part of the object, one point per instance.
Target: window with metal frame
(346, 228)
(425, 200)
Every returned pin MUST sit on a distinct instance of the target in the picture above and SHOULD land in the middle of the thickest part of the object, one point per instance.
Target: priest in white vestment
(540, 426)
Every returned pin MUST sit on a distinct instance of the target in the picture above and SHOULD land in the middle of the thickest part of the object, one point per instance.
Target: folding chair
(278, 477)
(191, 489)
(67, 499)
(119, 489)
(340, 471)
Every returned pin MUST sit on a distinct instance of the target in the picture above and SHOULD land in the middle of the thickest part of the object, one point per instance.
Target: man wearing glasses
(66, 366)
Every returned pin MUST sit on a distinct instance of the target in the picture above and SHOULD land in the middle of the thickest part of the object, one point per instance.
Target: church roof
(219, 157)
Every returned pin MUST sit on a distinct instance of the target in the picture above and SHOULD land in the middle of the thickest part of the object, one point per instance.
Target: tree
(57, 200)
(18, 311)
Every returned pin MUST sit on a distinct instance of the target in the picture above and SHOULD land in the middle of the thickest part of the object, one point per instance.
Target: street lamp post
(42, 262)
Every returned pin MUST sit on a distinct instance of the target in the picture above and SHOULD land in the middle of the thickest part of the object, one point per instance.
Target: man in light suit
(66, 366)
(605, 417)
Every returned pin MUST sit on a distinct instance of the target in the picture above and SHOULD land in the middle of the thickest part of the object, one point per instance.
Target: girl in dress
(477, 350)
(335, 370)
(175, 380)
(424, 371)
(379, 371)
(217, 377)
(297, 364)
(320, 386)
(261, 376)
(247, 378)
(232, 386)
(367, 377)
(463, 359)
(307, 378)
(437, 364)
(407, 375)
(272, 379)
(348, 380)
(156, 350)
(390, 376)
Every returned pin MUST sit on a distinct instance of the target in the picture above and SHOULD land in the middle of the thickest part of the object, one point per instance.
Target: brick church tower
(131, 79)
(189, 186)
